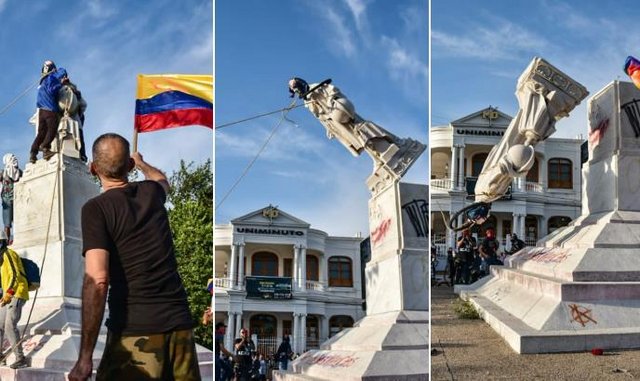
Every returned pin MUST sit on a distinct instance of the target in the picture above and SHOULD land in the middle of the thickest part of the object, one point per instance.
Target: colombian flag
(173, 100)
(632, 68)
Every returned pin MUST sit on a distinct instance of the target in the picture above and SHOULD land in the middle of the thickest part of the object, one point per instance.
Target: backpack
(32, 273)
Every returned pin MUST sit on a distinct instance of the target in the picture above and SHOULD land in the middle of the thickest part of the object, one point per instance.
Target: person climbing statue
(51, 81)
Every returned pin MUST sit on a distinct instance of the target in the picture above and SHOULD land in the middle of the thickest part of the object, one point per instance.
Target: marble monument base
(386, 346)
(577, 296)
(392, 341)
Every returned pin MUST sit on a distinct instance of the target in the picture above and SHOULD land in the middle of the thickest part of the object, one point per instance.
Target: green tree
(191, 219)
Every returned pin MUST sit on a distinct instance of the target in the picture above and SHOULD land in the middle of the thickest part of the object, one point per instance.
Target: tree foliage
(191, 219)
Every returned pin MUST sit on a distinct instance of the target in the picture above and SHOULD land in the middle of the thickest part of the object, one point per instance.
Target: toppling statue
(60, 112)
(392, 156)
(545, 95)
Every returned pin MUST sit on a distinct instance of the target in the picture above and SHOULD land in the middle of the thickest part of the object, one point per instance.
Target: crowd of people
(470, 259)
(244, 362)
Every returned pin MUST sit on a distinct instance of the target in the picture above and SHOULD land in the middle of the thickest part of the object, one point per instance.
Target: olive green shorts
(164, 356)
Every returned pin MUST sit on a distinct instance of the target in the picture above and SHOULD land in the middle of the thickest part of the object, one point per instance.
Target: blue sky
(375, 52)
(480, 48)
(104, 45)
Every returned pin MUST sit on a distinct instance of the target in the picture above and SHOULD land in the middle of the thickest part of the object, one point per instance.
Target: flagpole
(135, 140)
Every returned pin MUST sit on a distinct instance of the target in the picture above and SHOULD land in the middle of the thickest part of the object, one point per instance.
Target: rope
(287, 109)
(264, 145)
(16, 99)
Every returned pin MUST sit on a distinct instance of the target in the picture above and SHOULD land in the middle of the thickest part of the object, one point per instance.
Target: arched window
(477, 162)
(263, 325)
(313, 268)
(557, 222)
(340, 274)
(313, 332)
(560, 173)
(533, 174)
(264, 264)
(338, 323)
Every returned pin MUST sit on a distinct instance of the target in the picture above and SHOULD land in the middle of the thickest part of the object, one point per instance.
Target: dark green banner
(266, 287)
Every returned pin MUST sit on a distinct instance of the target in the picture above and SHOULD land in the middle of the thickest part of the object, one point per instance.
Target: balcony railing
(533, 187)
(313, 285)
(224, 283)
(442, 184)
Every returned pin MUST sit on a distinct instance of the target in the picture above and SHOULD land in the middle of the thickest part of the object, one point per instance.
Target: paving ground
(471, 350)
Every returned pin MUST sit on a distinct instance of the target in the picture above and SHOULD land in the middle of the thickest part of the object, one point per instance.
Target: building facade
(316, 278)
(548, 198)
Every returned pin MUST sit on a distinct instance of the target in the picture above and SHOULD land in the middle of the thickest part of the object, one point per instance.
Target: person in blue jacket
(47, 103)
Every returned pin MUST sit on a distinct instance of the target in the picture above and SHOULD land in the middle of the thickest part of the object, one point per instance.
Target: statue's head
(298, 86)
(48, 67)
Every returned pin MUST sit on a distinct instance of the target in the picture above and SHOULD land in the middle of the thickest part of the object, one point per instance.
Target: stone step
(563, 290)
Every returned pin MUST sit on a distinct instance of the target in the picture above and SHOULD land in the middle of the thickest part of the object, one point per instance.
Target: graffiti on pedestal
(418, 213)
(543, 255)
(328, 360)
(632, 110)
(581, 314)
(380, 232)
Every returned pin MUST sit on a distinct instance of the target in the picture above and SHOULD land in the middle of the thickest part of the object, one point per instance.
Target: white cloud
(406, 67)
(503, 40)
(343, 37)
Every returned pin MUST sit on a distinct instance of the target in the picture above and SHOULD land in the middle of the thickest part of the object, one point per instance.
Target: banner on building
(266, 287)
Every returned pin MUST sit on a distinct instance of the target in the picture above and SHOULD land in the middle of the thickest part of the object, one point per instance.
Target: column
(514, 224)
(303, 268)
(294, 333)
(454, 159)
(303, 333)
(461, 167)
(324, 328)
(324, 275)
(296, 258)
(521, 233)
(234, 262)
(241, 266)
(230, 335)
(238, 321)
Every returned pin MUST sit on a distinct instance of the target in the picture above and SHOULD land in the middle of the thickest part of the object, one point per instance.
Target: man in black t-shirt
(464, 259)
(245, 348)
(127, 245)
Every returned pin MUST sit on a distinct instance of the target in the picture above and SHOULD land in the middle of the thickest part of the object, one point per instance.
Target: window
(477, 162)
(263, 325)
(560, 174)
(312, 268)
(264, 264)
(288, 267)
(340, 272)
(338, 323)
(557, 222)
(532, 175)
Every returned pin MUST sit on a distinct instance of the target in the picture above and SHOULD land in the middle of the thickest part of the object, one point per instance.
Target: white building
(319, 278)
(549, 196)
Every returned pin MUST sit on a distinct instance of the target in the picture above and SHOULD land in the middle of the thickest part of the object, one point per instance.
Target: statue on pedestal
(60, 114)
(392, 156)
(545, 95)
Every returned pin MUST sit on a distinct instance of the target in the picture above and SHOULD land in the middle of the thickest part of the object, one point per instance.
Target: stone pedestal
(392, 341)
(47, 209)
(580, 289)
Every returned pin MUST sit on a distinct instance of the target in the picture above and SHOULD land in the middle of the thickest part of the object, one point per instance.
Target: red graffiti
(381, 231)
(597, 133)
(543, 255)
(333, 361)
(581, 314)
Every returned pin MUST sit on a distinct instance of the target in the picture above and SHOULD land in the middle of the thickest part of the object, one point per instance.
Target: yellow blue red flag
(173, 100)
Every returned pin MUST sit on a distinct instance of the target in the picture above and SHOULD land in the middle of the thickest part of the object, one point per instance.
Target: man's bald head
(111, 156)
